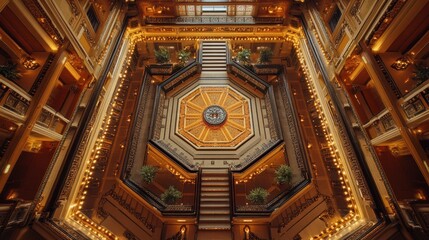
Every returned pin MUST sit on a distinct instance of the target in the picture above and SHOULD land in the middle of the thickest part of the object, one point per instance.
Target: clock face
(214, 115)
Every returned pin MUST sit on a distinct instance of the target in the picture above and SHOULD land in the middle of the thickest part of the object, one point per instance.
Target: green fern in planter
(183, 56)
(162, 55)
(171, 195)
(265, 55)
(244, 56)
(148, 173)
(10, 71)
(258, 195)
(283, 174)
(421, 73)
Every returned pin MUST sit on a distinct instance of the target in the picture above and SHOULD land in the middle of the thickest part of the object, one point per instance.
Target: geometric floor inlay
(214, 116)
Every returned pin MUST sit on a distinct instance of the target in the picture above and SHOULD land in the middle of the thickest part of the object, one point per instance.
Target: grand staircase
(214, 216)
(213, 60)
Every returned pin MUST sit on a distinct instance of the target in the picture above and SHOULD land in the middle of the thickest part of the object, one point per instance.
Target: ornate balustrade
(214, 20)
(180, 76)
(379, 124)
(416, 103)
(14, 99)
(247, 76)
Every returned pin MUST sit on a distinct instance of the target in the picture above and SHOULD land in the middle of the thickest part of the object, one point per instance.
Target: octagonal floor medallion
(214, 116)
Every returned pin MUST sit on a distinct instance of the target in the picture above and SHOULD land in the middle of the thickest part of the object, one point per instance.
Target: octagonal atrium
(205, 119)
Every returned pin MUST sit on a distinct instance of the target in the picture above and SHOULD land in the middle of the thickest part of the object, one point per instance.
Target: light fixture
(246, 232)
(271, 9)
(401, 63)
(30, 63)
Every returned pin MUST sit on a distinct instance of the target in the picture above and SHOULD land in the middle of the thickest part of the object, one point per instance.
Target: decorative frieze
(214, 20)
(42, 74)
(355, 9)
(135, 135)
(384, 22)
(44, 20)
(295, 138)
(88, 34)
(387, 76)
(271, 120)
(73, 7)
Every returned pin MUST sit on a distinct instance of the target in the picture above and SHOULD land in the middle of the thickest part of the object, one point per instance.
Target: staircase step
(214, 212)
(213, 69)
(219, 51)
(214, 199)
(214, 178)
(214, 43)
(215, 205)
(213, 64)
(215, 194)
(214, 226)
(214, 57)
(214, 48)
(212, 75)
(214, 189)
(211, 54)
(214, 218)
(215, 170)
(215, 61)
(214, 184)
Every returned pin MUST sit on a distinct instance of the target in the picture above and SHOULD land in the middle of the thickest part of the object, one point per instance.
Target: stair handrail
(248, 76)
(198, 195)
(189, 65)
(231, 194)
(228, 52)
(200, 52)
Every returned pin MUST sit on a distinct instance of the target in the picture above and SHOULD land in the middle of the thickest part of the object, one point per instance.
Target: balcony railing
(380, 124)
(214, 20)
(14, 99)
(415, 104)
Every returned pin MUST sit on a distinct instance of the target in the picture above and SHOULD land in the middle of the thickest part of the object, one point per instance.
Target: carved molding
(247, 78)
(391, 12)
(134, 140)
(39, 13)
(214, 20)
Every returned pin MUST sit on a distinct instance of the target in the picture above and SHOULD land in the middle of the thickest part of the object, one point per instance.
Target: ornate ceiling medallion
(214, 115)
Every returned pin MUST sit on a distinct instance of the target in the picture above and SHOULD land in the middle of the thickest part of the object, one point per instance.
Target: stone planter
(266, 69)
(161, 69)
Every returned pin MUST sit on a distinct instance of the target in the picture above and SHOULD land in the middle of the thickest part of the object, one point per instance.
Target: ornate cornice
(44, 20)
(384, 22)
(214, 20)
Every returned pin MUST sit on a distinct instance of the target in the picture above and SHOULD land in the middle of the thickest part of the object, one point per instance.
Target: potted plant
(421, 73)
(264, 66)
(148, 173)
(162, 55)
(10, 71)
(182, 58)
(283, 174)
(265, 55)
(163, 67)
(257, 195)
(243, 56)
(171, 195)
